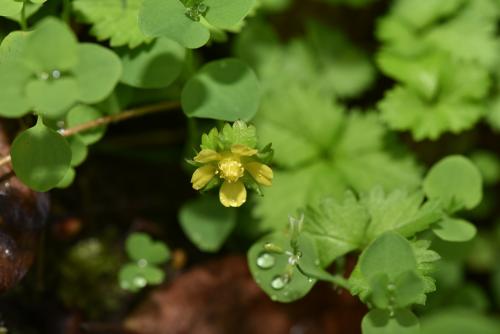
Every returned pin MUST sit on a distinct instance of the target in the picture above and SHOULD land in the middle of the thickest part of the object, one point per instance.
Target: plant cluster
(337, 193)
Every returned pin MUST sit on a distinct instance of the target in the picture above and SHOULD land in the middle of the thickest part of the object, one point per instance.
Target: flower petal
(202, 176)
(232, 194)
(263, 174)
(207, 155)
(243, 150)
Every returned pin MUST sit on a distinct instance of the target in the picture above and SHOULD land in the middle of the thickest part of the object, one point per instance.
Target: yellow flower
(230, 166)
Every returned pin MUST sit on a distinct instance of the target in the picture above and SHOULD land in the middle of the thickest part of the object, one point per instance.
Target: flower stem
(122, 116)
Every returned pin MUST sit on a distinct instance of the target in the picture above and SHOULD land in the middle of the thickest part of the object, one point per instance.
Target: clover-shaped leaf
(41, 157)
(83, 114)
(147, 255)
(225, 89)
(140, 246)
(381, 322)
(186, 21)
(47, 71)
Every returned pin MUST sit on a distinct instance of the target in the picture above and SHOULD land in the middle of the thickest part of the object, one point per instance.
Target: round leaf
(455, 230)
(10, 7)
(167, 18)
(268, 267)
(52, 98)
(225, 90)
(390, 254)
(456, 181)
(207, 223)
(79, 150)
(13, 45)
(380, 322)
(226, 14)
(40, 157)
(81, 114)
(155, 65)
(97, 72)
(13, 79)
(51, 46)
(67, 179)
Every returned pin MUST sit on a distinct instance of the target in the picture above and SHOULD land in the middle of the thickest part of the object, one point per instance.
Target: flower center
(231, 169)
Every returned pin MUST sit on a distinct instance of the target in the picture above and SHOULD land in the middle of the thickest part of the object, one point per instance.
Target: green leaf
(79, 150)
(319, 152)
(455, 230)
(179, 27)
(224, 89)
(399, 211)
(226, 14)
(269, 268)
(380, 322)
(97, 72)
(10, 7)
(445, 96)
(459, 322)
(40, 157)
(67, 179)
(409, 289)
(155, 65)
(206, 223)
(239, 133)
(134, 277)
(389, 254)
(338, 227)
(52, 98)
(455, 181)
(12, 47)
(51, 46)
(116, 20)
(13, 79)
(140, 246)
(82, 114)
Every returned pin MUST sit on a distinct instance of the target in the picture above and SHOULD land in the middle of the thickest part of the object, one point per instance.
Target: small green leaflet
(116, 20)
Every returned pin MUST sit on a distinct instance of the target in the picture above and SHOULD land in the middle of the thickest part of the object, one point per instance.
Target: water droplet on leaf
(56, 74)
(140, 282)
(279, 282)
(265, 261)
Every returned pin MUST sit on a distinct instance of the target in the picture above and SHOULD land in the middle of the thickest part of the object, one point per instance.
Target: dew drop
(279, 282)
(140, 282)
(265, 261)
(56, 74)
(391, 287)
(44, 76)
(310, 280)
(142, 263)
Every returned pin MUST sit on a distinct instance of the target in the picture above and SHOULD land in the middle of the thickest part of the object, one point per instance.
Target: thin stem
(66, 13)
(124, 115)
(23, 22)
(132, 113)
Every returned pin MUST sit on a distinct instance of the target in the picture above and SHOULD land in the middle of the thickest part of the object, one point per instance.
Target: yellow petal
(207, 155)
(232, 194)
(202, 176)
(263, 174)
(243, 150)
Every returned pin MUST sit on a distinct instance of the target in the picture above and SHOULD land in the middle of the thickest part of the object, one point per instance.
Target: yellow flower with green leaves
(230, 158)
